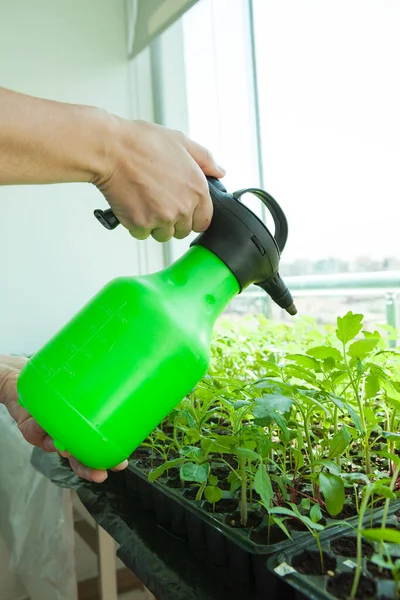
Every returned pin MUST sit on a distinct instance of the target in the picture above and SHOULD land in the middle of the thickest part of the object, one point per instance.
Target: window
(314, 118)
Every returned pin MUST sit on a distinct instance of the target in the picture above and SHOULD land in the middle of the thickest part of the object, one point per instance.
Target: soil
(190, 493)
(340, 587)
(140, 453)
(152, 463)
(349, 510)
(174, 472)
(225, 505)
(347, 546)
(175, 483)
(254, 519)
(254, 496)
(222, 473)
(167, 429)
(173, 455)
(309, 563)
(260, 536)
(379, 574)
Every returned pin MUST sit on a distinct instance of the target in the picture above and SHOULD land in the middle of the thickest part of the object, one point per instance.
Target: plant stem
(269, 531)
(387, 503)
(335, 430)
(362, 415)
(310, 451)
(361, 514)
(200, 491)
(243, 508)
(356, 497)
(321, 556)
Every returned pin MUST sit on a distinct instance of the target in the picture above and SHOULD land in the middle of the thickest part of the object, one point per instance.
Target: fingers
(183, 227)
(163, 234)
(121, 466)
(96, 475)
(140, 233)
(204, 159)
(203, 212)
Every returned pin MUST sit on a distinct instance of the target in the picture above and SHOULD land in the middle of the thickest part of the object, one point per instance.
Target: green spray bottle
(116, 370)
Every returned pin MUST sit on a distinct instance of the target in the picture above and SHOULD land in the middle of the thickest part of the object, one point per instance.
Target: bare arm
(152, 177)
(49, 142)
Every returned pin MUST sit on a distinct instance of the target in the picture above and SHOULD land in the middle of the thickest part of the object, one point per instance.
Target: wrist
(104, 129)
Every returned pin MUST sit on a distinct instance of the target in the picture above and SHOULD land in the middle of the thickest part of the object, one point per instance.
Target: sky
(329, 97)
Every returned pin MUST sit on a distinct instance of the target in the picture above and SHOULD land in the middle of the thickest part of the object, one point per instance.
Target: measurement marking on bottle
(95, 334)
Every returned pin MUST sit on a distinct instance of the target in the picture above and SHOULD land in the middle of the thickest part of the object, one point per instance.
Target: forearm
(10, 366)
(42, 141)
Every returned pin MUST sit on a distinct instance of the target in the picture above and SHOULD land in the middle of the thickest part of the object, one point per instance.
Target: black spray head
(244, 243)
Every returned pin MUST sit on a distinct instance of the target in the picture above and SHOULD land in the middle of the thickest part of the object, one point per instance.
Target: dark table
(162, 561)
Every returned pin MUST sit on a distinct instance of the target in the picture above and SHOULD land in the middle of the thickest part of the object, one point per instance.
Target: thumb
(204, 159)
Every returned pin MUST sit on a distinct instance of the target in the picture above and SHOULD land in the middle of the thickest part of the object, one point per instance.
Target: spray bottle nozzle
(245, 244)
(277, 289)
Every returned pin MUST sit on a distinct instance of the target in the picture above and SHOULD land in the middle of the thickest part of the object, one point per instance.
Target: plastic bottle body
(110, 376)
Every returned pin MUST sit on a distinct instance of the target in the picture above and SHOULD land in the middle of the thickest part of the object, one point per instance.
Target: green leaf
(222, 444)
(298, 458)
(382, 535)
(390, 436)
(370, 417)
(339, 377)
(267, 408)
(280, 510)
(240, 403)
(354, 417)
(352, 478)
(329, 363)
(272, 368)
(370, 334)
(339, 442)
(188, 417)
(380, 561)
(382, 490)
(330, 465)
(191, 451)
(305, 503)
(301, 373)
(280, 523)
(362, 348)
(304, 361)
(348, 327)
(372, 386)
(247, 454)
(325, 352)
(213, 480)
(353, 414)
(156, 473)
(193, 472)
(213, 494)
(315, 513)
(262, 485)
(332, 488)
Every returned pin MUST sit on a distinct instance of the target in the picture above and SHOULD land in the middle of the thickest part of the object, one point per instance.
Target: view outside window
(329, 97)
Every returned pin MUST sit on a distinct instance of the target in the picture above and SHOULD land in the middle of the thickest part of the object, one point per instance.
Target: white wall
(54, 255)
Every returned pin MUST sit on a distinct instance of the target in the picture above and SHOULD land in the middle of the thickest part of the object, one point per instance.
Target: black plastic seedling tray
(209, 534)
(340, 562)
